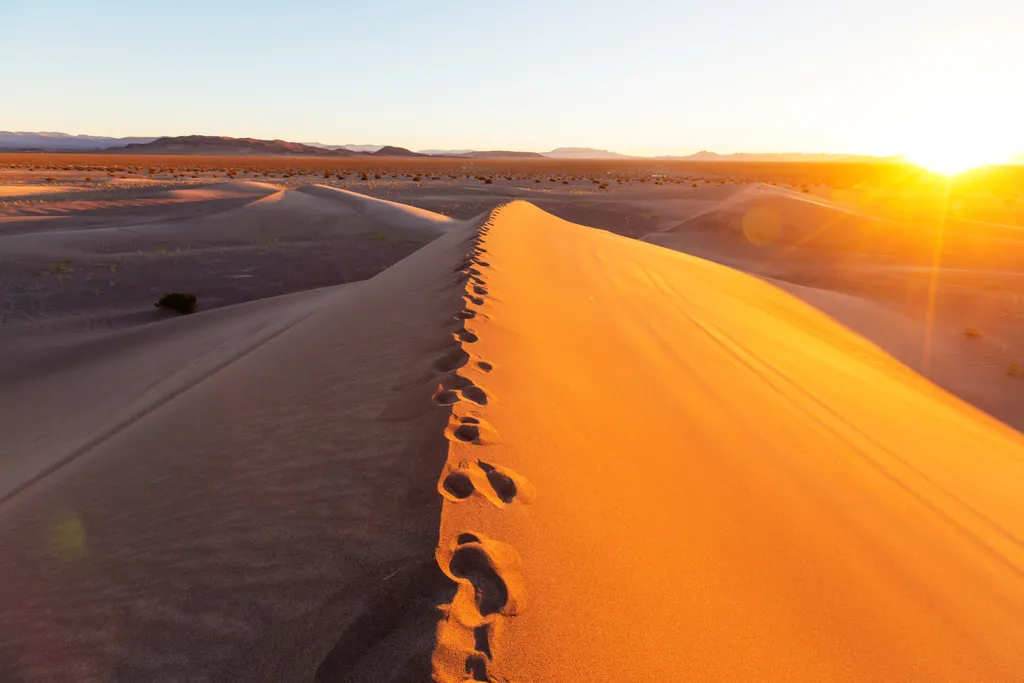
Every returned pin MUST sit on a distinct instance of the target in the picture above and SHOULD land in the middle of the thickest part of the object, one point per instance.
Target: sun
(949, 164)
(950, 158)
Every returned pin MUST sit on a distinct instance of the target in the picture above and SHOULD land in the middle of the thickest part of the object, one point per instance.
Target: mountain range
(229, 146)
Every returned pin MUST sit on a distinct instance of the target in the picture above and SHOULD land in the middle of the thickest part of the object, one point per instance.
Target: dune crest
(392, 213)
(720, 475)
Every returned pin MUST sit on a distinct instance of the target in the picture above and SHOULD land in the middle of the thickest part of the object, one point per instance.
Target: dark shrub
(182, 302)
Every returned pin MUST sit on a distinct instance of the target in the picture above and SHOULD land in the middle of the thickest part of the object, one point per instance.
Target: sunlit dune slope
(392, 213)
(631, 464)
(680, 472)
(767, 222)
(912, 284)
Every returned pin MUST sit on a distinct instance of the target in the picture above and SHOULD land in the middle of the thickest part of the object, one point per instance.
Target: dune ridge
(486, 572)
(529, 451)
(719, 474)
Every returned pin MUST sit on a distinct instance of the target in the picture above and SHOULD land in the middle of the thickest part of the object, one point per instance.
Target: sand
(223, 496)
(526, 451)
(727, 485)
(915, 286)
(97, 263)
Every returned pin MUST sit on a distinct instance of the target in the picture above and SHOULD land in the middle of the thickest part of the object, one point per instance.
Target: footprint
(482, 640)
(470, 429)
(465, 314)
(453, 360)
(484, 365)
(446, 397)
(472, 562)
(469, 433)
(466, 336)
(502, 484)
(474, 300)
(489, 588)
(491, 582)
(479, 290)
(475, 394)
(476, 667)
(459, 485)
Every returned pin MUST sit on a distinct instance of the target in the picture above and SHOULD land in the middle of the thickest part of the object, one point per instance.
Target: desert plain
(509, 420)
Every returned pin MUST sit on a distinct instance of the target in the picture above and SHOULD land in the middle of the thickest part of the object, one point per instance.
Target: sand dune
(240, 490)
(227, 243)
(771, 223)
(913, 286)
(728, 485)
(391, 213)
(530, 451)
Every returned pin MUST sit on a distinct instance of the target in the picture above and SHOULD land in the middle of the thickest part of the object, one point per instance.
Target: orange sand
(726, 485)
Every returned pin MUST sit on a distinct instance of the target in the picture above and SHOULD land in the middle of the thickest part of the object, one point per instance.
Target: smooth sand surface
(942, 294)
(241, 494)
(529, 451)
(96, 265)
(724, 484)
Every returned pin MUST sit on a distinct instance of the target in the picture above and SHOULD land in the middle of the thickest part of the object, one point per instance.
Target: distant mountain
(392, 151)
(584, 153)
(481, 154)
(218, 145)
(500, 154)
(351, 148)
(361, 148)
(62, 142)
(446, 152)
(781, 156)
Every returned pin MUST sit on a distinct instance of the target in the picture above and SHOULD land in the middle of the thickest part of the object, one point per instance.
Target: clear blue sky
(636, 76)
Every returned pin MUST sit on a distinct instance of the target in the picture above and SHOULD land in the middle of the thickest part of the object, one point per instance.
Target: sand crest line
(486, 572)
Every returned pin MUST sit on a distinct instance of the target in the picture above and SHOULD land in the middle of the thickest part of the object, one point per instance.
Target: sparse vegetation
(182, 302)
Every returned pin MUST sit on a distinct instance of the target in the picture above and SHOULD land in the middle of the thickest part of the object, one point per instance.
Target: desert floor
(585, 424)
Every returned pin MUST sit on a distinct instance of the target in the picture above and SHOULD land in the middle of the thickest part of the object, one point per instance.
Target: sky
(635, 76)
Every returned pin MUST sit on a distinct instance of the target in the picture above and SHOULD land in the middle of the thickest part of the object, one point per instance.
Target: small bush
(182, 302)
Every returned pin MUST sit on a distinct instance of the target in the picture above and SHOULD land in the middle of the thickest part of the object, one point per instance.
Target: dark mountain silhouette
(219, 145)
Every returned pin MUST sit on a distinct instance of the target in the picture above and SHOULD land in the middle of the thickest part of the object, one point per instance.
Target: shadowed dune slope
(257, 245)
(530, 451)
(235, 494)
(681, 472)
